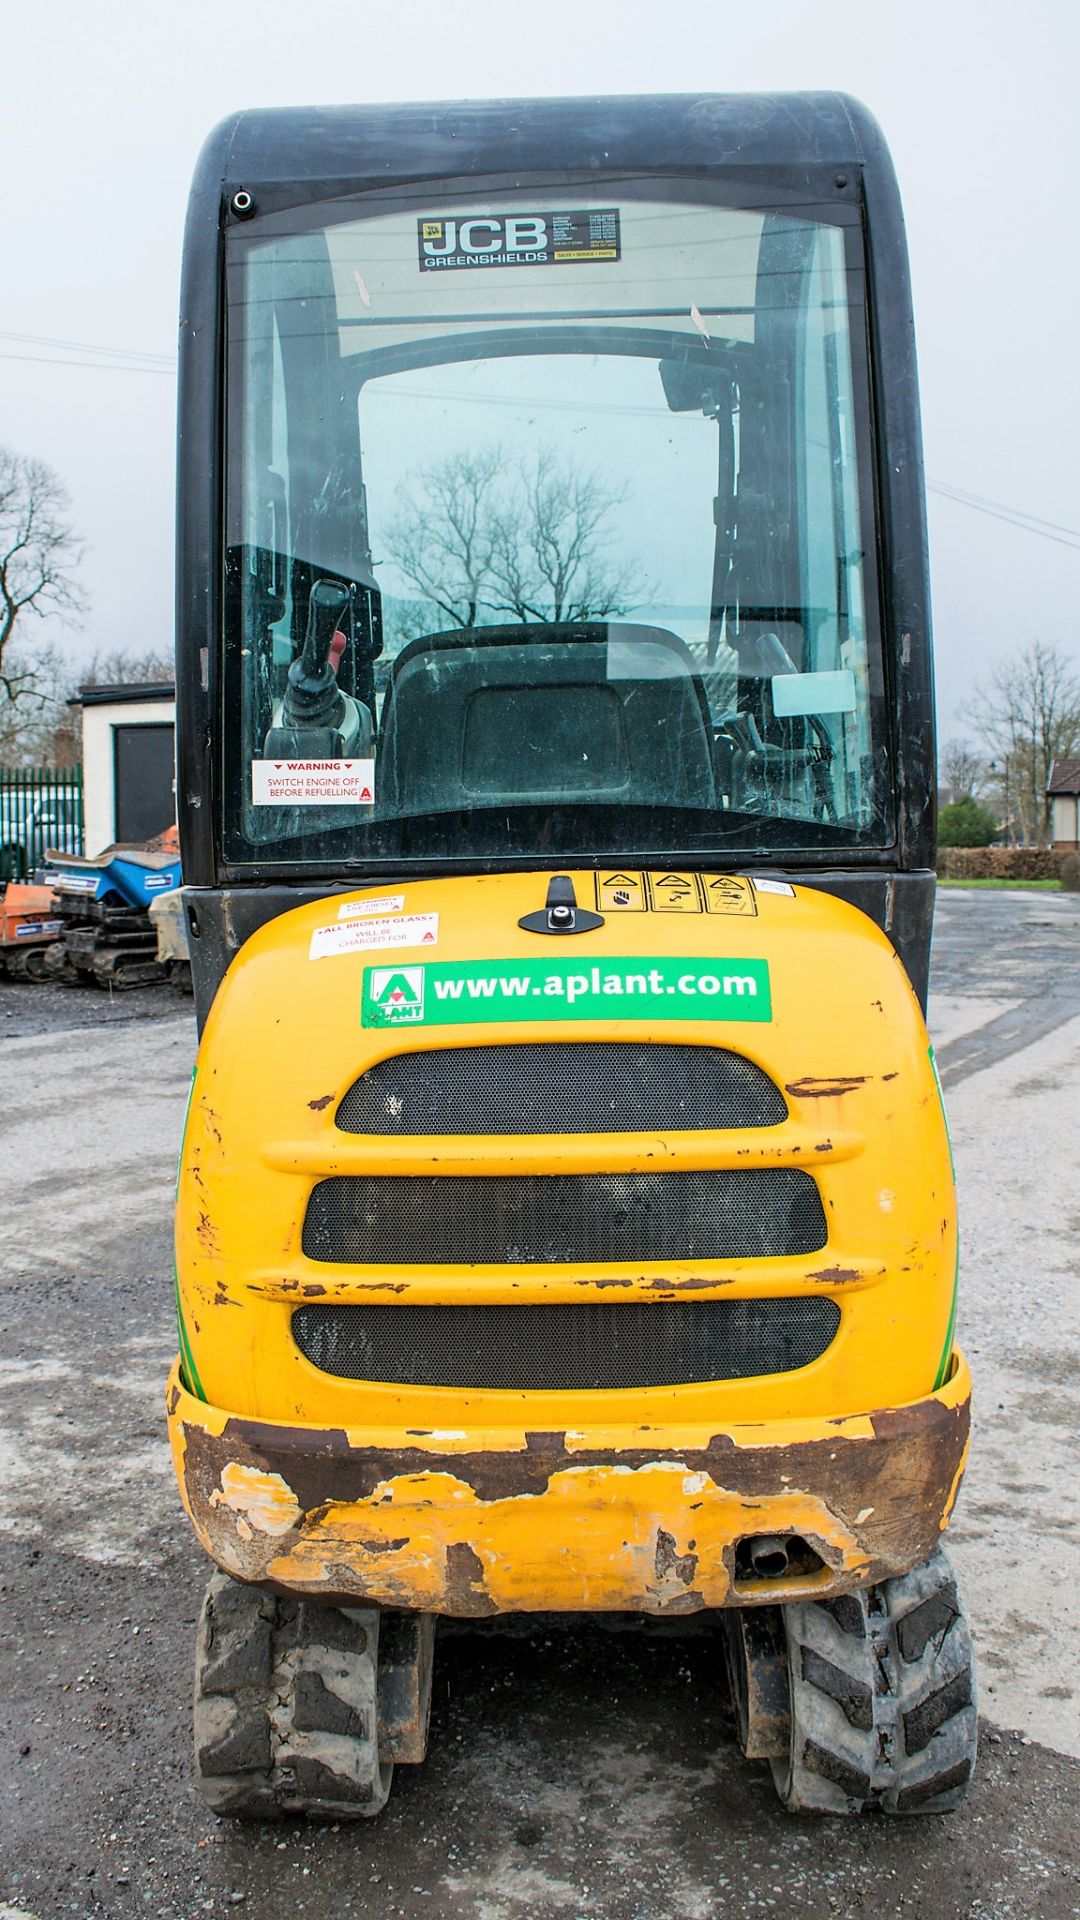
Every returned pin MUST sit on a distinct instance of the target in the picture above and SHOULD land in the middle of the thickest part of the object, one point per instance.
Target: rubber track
(882, 1698)
(286, 1717)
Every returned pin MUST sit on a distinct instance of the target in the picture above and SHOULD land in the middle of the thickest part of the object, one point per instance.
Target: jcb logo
(556, 239)
(515, 237)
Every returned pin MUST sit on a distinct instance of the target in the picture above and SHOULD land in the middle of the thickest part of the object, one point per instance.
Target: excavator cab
(565, 1216)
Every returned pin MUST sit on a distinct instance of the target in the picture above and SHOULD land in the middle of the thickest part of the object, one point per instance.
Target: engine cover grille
(561, 1086)
(527, 1219)
(591, 1345)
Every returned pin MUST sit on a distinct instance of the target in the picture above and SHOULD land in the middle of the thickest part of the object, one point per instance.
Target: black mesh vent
(562, 1086)
(559, 1348)
(723, 1214)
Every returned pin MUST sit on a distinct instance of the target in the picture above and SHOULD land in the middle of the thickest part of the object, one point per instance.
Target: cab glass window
(549, 532)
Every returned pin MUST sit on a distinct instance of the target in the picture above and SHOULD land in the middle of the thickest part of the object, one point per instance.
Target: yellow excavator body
(313, 1244)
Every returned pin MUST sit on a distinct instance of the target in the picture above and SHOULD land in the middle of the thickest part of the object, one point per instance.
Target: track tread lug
(847, 1610)
(924, 1720)
(932, 1616)
(854, 1697)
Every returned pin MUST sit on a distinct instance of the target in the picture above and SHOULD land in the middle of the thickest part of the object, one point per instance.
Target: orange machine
(27, 927)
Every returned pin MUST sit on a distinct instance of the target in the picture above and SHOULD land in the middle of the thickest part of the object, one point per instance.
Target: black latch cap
(561, 913)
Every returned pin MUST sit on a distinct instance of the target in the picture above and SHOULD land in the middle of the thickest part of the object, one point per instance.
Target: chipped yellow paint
(961, 1469)
(591, 1542)
(622, 1533)
(263, 1501)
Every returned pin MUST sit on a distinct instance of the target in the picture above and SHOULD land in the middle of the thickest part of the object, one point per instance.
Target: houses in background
(1063, 793)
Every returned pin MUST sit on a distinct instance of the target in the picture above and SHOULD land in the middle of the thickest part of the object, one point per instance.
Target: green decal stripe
(944, 1110)
(946, 1351)
(183, 1131)
(188, 1370)
(616, 987)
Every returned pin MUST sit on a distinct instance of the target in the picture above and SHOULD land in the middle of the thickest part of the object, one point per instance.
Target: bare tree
(1028, 716)
(44, 724)
(121, 668)
(962, 770)
(39, 560)
(39, 727)
(549, 559)
(441, 533)
(477, 532)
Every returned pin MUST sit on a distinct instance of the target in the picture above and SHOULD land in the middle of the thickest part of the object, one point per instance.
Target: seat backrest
(543, 715)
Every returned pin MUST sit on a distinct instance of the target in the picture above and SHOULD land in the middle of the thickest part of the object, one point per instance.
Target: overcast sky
(106, 103)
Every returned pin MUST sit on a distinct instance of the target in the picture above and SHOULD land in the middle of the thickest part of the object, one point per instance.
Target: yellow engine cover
(793, 980)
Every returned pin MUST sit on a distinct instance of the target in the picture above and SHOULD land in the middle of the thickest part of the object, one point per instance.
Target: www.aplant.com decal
(464, 993)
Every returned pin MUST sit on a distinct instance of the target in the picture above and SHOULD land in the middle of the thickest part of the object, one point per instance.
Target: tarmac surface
(572, 1772)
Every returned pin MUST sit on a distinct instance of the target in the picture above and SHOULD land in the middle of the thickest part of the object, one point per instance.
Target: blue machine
(108, 938)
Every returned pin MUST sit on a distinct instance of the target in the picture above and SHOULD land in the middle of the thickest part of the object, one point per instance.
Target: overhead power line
(130, 357)
(1013, 516)
(128, 360)
(102, 366)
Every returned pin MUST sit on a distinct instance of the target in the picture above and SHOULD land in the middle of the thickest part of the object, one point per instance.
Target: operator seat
(528, 715)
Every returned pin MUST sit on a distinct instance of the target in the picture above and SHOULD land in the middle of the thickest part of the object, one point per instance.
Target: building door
(143, 772)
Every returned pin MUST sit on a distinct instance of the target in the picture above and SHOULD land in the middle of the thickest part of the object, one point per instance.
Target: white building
(129, 758)
(1063, 793)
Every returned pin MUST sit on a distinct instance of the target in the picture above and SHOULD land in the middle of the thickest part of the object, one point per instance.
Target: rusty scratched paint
(812, 1087)
(669, 1561)
(872, 1505)
(207, 1234)
(465, 1583)
(696, 1283)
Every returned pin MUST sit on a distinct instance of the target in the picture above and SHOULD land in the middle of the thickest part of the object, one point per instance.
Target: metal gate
(40, 807)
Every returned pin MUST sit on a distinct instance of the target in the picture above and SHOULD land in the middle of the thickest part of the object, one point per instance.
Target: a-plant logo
(396, 994)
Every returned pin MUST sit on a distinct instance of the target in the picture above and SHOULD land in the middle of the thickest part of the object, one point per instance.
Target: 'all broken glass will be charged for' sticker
(312, 783)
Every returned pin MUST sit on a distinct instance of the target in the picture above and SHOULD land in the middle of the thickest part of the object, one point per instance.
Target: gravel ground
(27, 1009)
(571, 1773)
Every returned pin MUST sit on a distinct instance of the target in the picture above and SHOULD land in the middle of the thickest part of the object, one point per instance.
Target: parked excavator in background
(106, 937)
(29, 926)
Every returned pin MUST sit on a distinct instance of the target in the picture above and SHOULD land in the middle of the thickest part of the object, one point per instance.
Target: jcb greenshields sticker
(458, 994)
(480, 240)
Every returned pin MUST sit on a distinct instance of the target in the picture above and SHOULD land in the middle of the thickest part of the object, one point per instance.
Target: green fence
(40, 807)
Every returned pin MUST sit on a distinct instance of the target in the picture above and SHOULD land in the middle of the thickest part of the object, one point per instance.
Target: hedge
(999, 863)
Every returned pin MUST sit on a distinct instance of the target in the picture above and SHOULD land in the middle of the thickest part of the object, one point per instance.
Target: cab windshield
(549, 532)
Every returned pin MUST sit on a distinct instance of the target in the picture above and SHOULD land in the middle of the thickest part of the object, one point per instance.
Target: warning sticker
(620, 893)
(726, 894)
(312, 783)
(381, 903)
(674, 893)
(681, 893)
(358, 936)
(518, 239)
